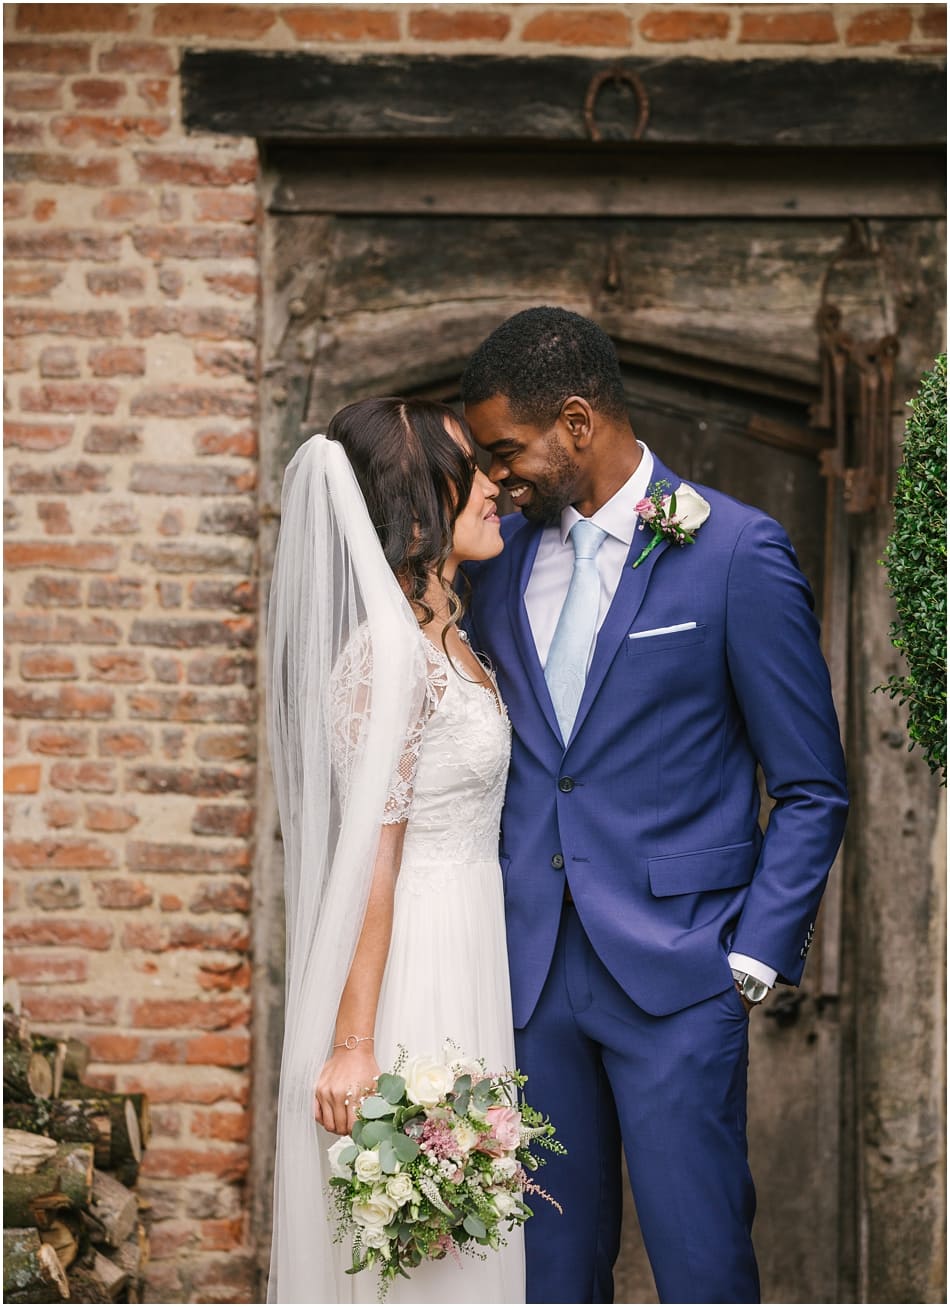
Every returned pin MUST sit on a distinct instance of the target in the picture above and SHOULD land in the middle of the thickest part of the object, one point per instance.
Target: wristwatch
(751, 988)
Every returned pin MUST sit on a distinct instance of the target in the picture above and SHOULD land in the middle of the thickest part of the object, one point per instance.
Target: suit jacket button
(557, 862)
(565, 784)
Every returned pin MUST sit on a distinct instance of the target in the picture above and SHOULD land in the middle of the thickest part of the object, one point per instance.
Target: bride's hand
(348, 1076)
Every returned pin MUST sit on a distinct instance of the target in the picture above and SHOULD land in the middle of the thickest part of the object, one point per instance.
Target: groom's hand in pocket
(348, 1076)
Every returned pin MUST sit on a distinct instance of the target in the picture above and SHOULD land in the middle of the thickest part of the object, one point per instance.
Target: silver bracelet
(352, 1041)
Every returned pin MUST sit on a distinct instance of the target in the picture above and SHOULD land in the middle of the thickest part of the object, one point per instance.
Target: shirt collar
(618, 517)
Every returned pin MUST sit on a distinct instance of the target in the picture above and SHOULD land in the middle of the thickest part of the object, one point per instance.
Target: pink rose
(505, 1125)
(646, 509)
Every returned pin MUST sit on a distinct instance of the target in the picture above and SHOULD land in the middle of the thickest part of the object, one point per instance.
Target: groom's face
(534, 465)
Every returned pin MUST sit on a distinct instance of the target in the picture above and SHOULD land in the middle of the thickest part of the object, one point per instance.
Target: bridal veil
(336, 741)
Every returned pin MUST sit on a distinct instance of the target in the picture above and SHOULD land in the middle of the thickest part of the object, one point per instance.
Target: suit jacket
(650, 811)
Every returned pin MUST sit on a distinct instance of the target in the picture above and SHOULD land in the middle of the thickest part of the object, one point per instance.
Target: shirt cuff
(740, 962)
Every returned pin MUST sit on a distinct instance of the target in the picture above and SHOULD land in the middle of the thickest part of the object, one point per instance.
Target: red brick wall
(132, 306)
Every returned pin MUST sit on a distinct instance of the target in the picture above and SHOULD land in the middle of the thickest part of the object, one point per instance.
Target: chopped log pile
(73, 1229)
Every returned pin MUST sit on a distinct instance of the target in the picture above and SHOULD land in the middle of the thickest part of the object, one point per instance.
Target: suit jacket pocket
(651, 644)
(727, 867)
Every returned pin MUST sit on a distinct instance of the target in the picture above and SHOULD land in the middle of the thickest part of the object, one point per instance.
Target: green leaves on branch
(916, 561)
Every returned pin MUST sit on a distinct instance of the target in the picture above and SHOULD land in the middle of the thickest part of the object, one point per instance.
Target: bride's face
(477, 532)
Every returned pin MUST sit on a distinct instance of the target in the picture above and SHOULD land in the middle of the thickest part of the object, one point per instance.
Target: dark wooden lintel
(626, 181)
(485, 99)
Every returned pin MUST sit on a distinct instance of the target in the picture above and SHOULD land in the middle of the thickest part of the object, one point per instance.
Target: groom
(646, 911)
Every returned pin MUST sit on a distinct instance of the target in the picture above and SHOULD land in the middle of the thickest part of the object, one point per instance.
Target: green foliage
(916, 561)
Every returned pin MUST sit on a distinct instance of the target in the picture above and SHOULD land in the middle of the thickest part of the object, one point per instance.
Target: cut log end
(39, 1076)
(114, 1208)
(53, 1271)
(62, 1237)
(12, 997)
(32, 1271)
(24, 1153)
(133, 1130)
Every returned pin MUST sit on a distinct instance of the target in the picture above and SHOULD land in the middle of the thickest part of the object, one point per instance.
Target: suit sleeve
(783, 689)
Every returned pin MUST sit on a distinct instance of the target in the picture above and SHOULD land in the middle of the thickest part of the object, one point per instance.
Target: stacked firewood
(72, 1225)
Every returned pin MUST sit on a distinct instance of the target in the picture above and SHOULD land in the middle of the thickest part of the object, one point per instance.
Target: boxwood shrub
(916, 561)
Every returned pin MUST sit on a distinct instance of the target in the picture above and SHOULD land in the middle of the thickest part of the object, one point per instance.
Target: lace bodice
(450, 781)
(460, 776)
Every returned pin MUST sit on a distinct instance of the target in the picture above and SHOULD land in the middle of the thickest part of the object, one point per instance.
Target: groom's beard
(549, 497)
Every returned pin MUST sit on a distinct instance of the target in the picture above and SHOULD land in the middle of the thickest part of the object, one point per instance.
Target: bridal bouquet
(437, 1163)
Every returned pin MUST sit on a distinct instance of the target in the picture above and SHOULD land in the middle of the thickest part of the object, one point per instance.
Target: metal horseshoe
(625, 77)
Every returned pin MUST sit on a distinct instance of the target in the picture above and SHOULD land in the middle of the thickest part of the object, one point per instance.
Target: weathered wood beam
(623, 182)
(480, 98)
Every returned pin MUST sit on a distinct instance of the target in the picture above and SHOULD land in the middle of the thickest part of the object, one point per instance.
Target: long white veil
(332, 592)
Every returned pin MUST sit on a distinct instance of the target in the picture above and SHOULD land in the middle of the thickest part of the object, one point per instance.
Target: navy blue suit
(627, 1019)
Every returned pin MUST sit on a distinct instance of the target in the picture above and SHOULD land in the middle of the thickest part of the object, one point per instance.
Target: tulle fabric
(331, 589)
(368, 722)
(447, 974)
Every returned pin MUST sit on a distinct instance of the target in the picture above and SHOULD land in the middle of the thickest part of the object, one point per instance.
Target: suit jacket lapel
(629, 595)
(527, 541)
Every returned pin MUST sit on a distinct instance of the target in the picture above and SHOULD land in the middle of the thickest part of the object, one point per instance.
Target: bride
(390, 747)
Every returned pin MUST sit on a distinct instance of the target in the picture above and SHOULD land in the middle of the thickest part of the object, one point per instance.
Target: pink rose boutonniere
(677, 516)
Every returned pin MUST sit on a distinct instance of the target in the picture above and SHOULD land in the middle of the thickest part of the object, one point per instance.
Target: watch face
(754, 990)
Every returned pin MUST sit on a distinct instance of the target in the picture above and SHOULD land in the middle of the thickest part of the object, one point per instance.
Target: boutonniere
(677, 516)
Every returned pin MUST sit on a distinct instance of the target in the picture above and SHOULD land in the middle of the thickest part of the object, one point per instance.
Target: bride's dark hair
(416, 479)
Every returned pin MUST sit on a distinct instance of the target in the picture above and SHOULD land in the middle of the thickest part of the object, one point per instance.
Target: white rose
(504, 1204)
(368, 1166)
(375, 1211)
(504, 1168)
(691, 509)
(427, 1081)
(466, 1137)
(466, 1066)
(339, 1170)
(374, 1237)
(399, 1188)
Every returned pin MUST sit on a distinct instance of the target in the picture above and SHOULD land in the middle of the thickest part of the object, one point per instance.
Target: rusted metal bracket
(857, 386)
(626, 78)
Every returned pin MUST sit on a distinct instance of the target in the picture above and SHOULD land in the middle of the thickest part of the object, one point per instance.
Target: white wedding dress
(447, 973)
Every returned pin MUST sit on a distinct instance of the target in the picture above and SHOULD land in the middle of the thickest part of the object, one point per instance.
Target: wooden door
(714, 323)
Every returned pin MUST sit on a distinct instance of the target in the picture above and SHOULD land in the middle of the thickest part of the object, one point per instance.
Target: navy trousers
(673, 1090)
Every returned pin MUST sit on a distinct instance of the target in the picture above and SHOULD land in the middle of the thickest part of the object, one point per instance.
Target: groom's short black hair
(541, 356)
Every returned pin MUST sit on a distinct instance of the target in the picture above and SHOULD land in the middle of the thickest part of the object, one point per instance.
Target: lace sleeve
(351, 700)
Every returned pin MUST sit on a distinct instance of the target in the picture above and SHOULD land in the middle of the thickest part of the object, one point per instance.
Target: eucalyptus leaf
(474, 1226)
(461, 1104)
(348, 1155)
(374, 1132)
(482, 1094)
(463, 1084)
(375, 1107)
(387, 1157)
(406, 1149)
(391, 1088)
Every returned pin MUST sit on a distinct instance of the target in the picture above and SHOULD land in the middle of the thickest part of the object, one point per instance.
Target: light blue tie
(566, 668)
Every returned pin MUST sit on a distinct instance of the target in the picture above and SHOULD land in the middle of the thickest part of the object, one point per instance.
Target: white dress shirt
(551, 576)
(554, 563)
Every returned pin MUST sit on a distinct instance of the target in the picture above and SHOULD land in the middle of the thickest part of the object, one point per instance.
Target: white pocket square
(661, 630)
